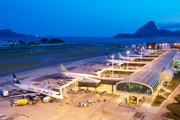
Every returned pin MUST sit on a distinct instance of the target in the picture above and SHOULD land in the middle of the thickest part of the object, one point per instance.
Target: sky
(86, 18)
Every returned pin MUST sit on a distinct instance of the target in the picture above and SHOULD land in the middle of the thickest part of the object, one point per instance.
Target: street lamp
(149, 50)
(112, 63)
(127, 52)
(141, 54)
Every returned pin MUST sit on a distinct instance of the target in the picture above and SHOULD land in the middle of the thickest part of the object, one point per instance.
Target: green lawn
(13, 48)
(107, 50)
(16, 65)
(172, 85)
(158, 99)
(114, 45)
(29, 54)
(86, 48)
(171, 116)
(75, 55)
(12, 51)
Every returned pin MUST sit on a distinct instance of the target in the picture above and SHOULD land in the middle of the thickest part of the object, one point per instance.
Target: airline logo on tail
(119, 54)
(63, 69)
(107, 57)
(15, 79)
(135, 51)
(143, 48)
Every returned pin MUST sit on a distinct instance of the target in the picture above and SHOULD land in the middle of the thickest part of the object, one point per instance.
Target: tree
(174, 108)
(44, 40)
(32, 43)
(21, 42)
(55, 40)
(177, 98)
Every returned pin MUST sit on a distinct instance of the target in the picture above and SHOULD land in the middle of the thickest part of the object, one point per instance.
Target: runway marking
(58, 111)
(62, 110)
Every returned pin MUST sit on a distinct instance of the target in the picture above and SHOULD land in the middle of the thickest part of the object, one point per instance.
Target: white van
(46, 99)
(5, 93)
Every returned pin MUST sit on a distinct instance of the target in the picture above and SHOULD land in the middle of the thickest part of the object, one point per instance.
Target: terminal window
(134, 88)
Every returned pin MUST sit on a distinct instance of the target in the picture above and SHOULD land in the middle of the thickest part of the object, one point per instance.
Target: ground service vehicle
(132, 99)
(22, 102)
(87, 103)
(46, 99)
(5, 93)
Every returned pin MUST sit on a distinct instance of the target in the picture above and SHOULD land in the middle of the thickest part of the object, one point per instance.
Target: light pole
(141, 54)
(112, 63)
(149, 50)
(127, 52)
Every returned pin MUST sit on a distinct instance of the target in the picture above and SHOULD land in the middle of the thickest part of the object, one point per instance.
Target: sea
(105, 40)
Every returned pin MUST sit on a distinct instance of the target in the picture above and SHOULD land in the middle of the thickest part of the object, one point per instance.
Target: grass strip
(13, 51)
(16, 65)
(29, 54)
(75, 55)
(108, 50)
(172, 85)
(158, 100)
(171, 116)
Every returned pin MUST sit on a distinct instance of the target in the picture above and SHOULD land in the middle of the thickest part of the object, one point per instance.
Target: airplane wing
(44, 87)
(27, 94)
(89, 80)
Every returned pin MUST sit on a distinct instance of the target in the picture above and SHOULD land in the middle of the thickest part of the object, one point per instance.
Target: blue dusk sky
(86, 18)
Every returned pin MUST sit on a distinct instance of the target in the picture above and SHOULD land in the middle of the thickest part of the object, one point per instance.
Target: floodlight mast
(127, 52)
(149, 50)
(112, 63)
(141, 54)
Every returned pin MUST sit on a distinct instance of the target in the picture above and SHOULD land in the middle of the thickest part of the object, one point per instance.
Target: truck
(22, 102)
(46, 99)
(132, 99)
(87, 103)
(5, 93)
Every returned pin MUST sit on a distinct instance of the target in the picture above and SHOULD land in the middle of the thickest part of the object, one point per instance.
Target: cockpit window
(58, 94)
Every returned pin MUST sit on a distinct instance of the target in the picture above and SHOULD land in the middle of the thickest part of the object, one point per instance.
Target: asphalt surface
(48, 61)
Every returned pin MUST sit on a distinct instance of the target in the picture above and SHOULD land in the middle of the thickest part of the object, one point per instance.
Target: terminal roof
(150, 73)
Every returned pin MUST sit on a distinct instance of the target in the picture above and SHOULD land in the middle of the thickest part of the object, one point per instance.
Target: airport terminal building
(145, 81)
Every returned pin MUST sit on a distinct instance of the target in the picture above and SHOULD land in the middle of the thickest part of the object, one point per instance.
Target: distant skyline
(86, 18)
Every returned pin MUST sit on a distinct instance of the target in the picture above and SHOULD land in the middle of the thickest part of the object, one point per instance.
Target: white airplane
(114, 61)
(35, 90)
(147, 51)
(135, 54)
(125, 58)
(85, 77)
(78, 76)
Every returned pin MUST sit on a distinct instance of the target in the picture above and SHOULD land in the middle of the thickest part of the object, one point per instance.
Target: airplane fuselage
(77, 75)
(40, 90)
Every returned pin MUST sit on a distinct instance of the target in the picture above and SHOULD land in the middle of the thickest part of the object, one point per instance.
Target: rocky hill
(149, 30)
(8, 33)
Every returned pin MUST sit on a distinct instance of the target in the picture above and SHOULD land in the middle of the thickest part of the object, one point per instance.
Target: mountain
(149, 30)
(8, 33)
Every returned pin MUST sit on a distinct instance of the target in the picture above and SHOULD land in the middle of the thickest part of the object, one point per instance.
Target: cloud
(170, 25)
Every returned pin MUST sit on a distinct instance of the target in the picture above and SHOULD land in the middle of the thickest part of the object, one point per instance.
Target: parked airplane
(113, 61)
(135, 54)
(147, 51)
(125, 58)
(35, 90)
(85, 77)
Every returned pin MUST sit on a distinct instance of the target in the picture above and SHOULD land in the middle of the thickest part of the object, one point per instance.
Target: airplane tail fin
(135, 51)
(63, 69)
(119, 54)
(143, 48)
(107, 57)
(15, 79)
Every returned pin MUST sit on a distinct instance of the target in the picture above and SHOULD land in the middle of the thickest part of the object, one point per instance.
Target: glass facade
(134, 88)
